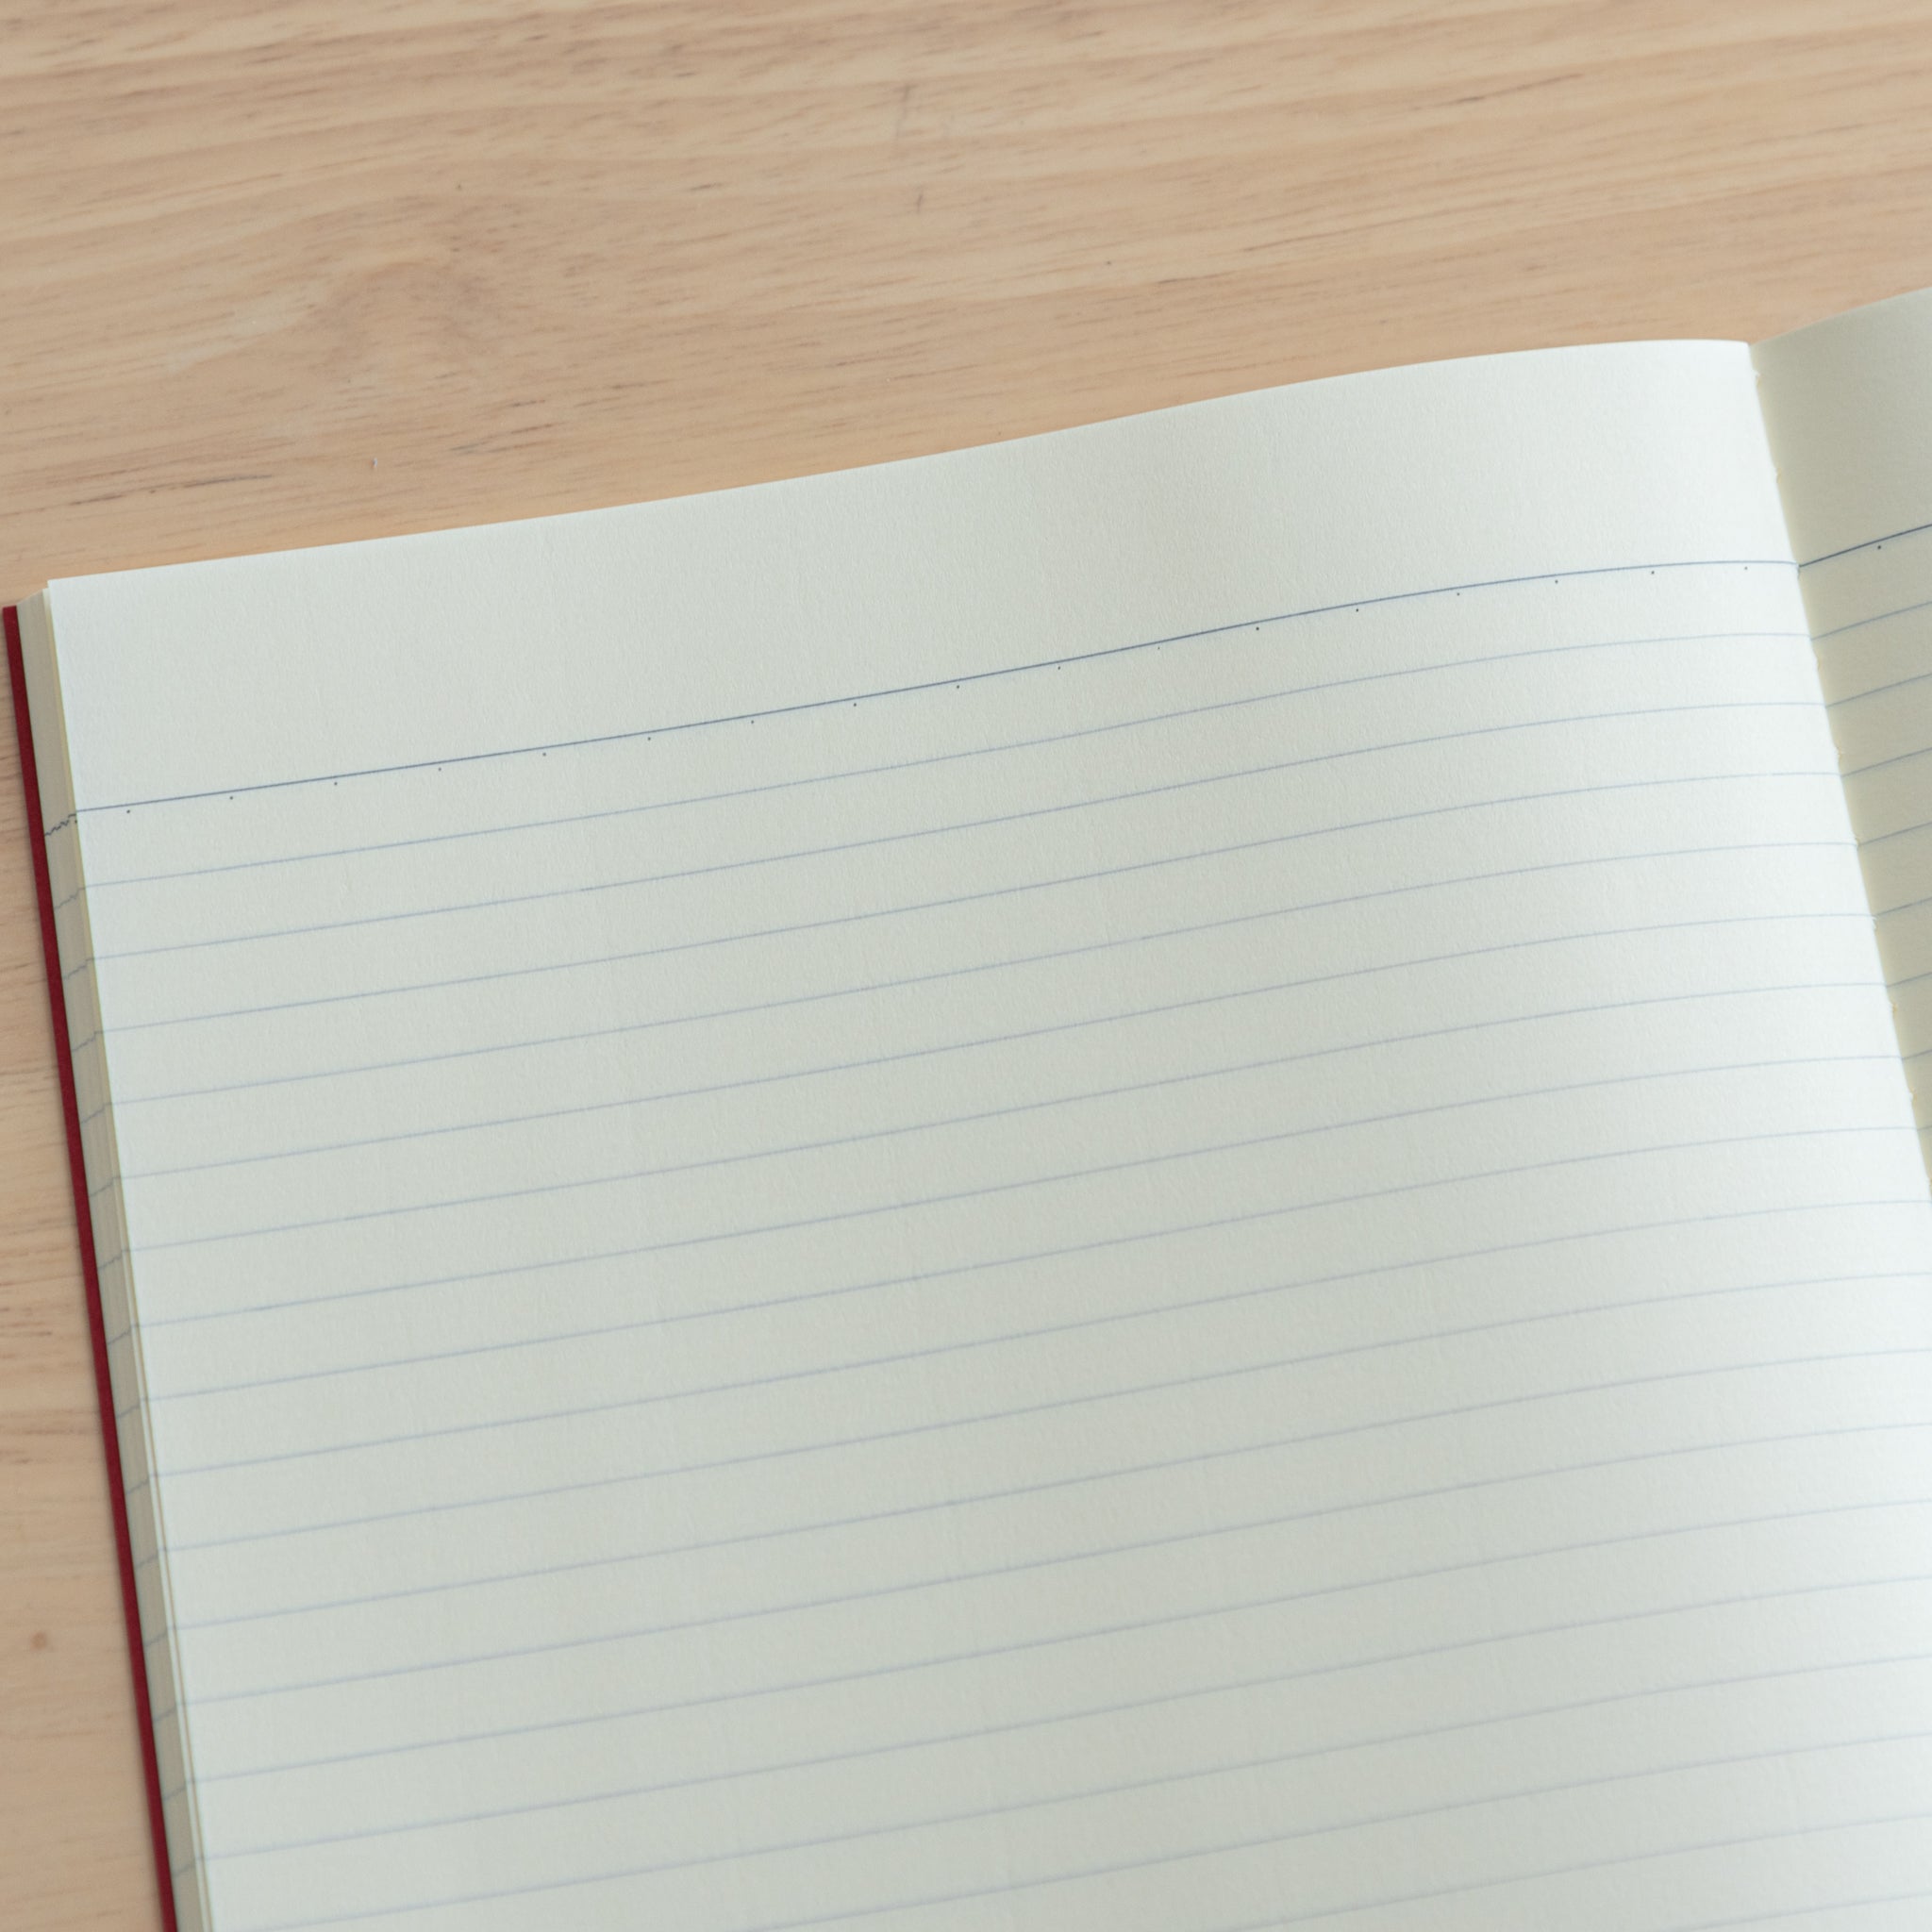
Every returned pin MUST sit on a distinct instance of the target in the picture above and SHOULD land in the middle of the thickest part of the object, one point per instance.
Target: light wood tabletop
(284, 272)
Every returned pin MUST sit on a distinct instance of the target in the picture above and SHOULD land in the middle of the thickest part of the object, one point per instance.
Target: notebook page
(1849, 402)
(1157, 1179)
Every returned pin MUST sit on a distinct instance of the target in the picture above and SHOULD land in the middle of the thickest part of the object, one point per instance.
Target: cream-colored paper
(1155, 1180)
(1849, 406)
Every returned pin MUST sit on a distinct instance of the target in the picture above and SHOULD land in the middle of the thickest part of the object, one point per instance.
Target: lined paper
(1157, 1180)
(112, 1275)
(1849, 404)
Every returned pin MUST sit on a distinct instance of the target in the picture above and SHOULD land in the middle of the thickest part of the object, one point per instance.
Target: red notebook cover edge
(96, 1318)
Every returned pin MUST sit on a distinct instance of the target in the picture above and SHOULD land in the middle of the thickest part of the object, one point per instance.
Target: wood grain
(284, 272)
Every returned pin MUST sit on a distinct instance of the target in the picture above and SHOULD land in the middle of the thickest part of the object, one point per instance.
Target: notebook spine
(97, 1327)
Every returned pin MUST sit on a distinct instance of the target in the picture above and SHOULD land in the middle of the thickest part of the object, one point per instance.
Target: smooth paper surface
(1849, 406)
(1156, 1180)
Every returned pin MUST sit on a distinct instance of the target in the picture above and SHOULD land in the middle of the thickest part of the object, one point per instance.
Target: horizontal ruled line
(953, 1577)
(1026, 815)
(1157, 1466)
(1272, 1211)
(1014, 1887)
(1135, 1625)
(1112, 1317)
(1332, 1127)
(631, 1101)
(999, 748)
(544, 1265)
(819, 997)
(1808, 1911)
(847, 699)
(1869, 543)
(953, 901)
(1824, 637)
(628, 1177)
(1121, 1706)
(1275, 1922)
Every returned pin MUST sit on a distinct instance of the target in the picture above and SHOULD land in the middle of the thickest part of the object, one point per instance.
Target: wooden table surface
(283, 272)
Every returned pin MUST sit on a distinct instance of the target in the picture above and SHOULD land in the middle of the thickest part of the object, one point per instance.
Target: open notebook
(1164, 1180)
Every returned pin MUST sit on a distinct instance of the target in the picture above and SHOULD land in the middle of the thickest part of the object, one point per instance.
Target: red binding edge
(96, 1318)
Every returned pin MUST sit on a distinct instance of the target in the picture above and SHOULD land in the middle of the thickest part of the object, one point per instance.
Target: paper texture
(1155, 1180)
(1849, 406)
